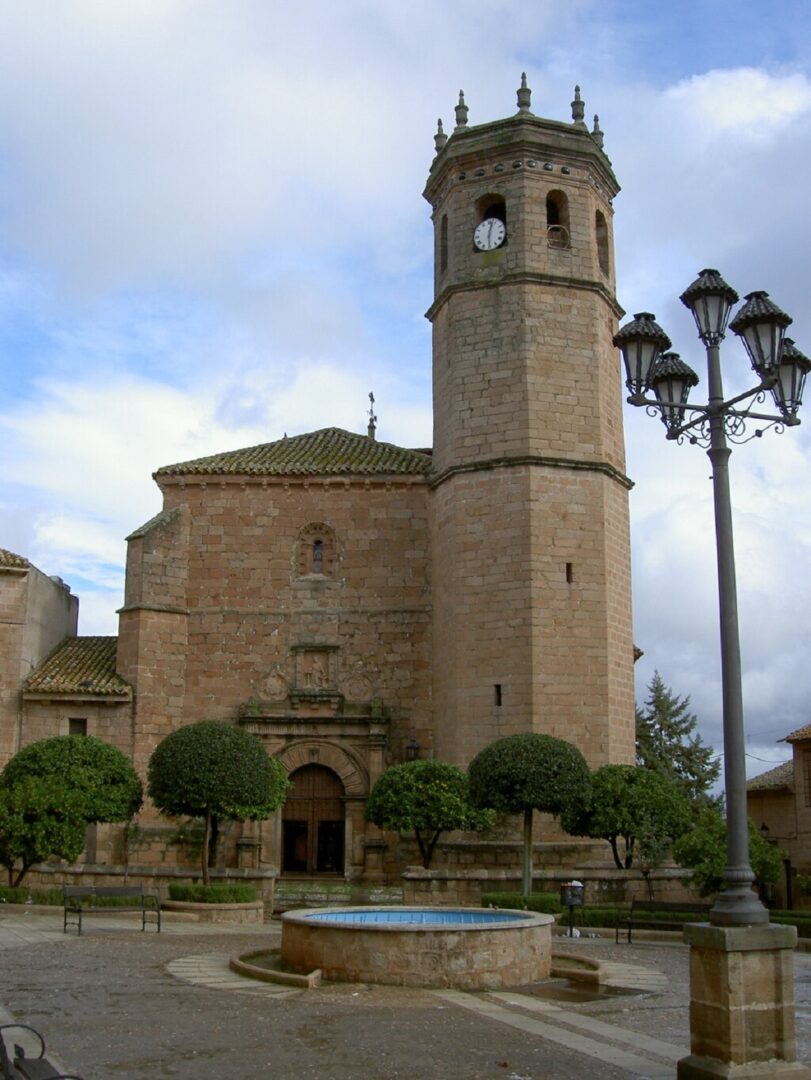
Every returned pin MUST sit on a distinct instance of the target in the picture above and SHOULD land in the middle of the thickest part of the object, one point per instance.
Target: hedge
(214, 894)
(23, 895)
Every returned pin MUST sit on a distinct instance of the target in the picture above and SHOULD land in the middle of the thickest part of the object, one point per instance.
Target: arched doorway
(313, 823)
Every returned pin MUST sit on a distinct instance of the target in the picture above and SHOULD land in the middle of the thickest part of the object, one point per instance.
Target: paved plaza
(117, 1002)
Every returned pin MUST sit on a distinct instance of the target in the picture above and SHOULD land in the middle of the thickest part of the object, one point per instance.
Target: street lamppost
(781, 370)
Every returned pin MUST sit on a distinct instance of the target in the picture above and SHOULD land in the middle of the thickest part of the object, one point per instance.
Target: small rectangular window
(569, 573)
(77, 726)
(497, 689)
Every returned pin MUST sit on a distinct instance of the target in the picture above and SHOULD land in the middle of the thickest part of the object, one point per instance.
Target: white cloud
(213, 232)
(188, 134)
(745, 104)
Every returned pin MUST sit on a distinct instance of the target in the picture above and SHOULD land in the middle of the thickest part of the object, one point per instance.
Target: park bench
(642, 916)
(81, 899)
(17, 1065)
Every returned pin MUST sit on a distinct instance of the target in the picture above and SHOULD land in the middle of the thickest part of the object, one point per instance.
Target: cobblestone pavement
(121, 1003)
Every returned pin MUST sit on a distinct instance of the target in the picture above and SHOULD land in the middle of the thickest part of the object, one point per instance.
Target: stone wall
(36, 613)
(151, 877)
(254, 627)
(801, 848)
(464, 888)
(107, 719)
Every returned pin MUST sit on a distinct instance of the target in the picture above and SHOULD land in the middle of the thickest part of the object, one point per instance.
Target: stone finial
(524, 94)
(578, 109)
(440, 138)
(371, 427)
(461, 112)
(596, 132)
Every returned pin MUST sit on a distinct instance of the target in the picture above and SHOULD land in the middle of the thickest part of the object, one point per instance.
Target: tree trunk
(213, 839)
(526, 882)
(629, 852)
(616, 854)
(427, 846)
(206, 841)
(23, 871)
(421, 845)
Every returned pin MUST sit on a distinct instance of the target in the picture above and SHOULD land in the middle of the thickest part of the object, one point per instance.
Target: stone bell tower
(531, 572)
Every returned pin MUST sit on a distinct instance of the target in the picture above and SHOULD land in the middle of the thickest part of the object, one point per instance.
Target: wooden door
(313, 823)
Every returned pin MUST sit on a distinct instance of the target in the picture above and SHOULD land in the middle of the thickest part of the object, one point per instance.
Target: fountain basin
(463, 948)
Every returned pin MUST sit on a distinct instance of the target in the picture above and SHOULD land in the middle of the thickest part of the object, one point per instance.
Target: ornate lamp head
(761, 326)
(710, 299)
(671, 382)
(788, 388)
(641, 342)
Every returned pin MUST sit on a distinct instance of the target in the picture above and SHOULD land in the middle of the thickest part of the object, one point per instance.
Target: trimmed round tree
(632, 806)
(523, 773)
(40, 818)
(215, 771)
(428, 798)
(101, 778)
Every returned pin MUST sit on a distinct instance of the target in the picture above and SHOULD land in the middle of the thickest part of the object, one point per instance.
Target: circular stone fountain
(464, 948)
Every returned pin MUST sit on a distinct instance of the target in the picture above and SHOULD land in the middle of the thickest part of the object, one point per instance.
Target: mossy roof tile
(780, 777)
(80, 665)
(10, 561)
(800, 733)
(328, 452)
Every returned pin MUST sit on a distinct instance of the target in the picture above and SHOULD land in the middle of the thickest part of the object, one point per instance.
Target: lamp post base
(741, 1004)
(698, 1068)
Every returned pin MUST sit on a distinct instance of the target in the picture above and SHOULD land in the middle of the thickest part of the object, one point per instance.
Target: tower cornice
(519, 137)
(542, 460)
(525, 277)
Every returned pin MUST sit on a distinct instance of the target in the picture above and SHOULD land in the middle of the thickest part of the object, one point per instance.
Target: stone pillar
(741, 1004)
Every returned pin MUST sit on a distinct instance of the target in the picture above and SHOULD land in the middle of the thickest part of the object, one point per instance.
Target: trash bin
(572, 895)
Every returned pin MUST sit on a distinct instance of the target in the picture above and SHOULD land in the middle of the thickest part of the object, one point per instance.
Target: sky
(212, 233)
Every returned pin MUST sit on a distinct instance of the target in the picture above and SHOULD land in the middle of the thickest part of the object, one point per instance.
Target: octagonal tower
(531, 567)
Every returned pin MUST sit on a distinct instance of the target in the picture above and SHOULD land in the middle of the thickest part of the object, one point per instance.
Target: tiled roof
(80, 665)
(780, 777)
(328, 452)
(10, 561)
(800, 733)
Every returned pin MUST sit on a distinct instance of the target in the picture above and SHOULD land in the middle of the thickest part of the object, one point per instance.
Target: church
(355, 604)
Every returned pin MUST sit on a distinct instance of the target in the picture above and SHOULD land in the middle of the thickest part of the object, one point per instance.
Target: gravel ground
(109, 1008)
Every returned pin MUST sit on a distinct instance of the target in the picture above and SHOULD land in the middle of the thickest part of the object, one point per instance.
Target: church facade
(355, 604)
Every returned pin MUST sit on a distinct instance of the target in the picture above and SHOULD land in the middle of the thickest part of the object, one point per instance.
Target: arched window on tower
(601, 233)
(557, 220)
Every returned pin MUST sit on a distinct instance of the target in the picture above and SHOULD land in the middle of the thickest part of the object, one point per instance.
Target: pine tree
(668, 744)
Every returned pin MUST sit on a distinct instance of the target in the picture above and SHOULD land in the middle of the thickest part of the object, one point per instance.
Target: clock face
(490, 233)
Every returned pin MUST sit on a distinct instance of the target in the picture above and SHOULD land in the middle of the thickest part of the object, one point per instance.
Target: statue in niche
(315, 672)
